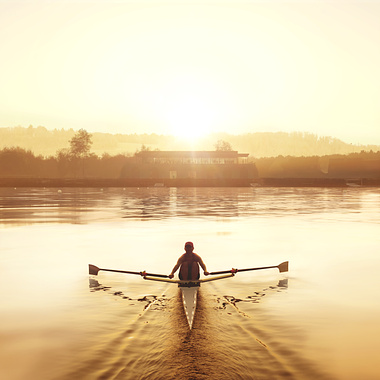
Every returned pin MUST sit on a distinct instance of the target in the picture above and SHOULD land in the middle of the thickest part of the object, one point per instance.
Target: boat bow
(189, 299)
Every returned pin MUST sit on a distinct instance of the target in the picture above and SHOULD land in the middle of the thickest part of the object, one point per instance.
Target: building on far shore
(194, 165)
(193, 157)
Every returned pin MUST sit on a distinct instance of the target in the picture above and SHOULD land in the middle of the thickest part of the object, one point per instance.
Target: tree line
(42, 141)
(77, 161)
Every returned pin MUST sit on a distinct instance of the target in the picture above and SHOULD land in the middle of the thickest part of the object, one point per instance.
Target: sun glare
(191, 107)
(189, 117)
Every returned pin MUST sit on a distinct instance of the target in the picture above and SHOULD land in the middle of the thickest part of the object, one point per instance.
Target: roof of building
(192, 154)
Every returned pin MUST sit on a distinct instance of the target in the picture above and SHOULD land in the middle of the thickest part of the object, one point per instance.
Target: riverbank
(189, 182)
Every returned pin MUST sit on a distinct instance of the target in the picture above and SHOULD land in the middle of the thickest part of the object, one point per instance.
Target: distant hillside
(42, 141)
(296, 144)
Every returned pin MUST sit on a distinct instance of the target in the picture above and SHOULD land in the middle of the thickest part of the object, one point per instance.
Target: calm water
(318, 321)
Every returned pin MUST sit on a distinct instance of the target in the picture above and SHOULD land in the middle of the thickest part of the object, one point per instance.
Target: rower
(189, 264)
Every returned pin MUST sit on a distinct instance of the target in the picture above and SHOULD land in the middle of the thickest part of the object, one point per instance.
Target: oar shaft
(248, 269)
(283, 267)
(94, 270)
(119, 271)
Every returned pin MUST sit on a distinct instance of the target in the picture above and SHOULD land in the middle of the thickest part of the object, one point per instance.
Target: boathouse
(200, 166)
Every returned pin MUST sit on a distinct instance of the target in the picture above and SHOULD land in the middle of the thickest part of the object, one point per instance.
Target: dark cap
(189, 243)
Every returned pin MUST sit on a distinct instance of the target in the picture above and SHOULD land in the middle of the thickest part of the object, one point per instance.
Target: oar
(94, 270)
(283, 267)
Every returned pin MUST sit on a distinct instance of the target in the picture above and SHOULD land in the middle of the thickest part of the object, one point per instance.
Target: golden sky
(192, 67)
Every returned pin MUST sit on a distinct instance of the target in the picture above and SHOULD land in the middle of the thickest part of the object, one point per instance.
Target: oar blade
(92, 269)
(284, 267)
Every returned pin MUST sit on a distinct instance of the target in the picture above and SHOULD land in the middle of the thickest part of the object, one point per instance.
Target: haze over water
(318, 321)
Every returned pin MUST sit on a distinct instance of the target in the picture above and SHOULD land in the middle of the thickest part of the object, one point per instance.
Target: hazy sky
(192, 67)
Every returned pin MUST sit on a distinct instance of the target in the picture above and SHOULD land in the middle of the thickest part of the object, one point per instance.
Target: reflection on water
(76, 205)
(320, 320)
(254, 298)
(148, 300)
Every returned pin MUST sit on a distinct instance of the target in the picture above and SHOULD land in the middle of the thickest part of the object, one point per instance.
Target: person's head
(189, 246)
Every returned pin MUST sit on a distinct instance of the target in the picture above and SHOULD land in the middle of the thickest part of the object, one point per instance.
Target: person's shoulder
(197, 256)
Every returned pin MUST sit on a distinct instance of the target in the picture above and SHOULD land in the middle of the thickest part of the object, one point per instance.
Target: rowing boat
(189, 289)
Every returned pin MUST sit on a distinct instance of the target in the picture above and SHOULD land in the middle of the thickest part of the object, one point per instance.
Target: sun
(190, 117)
(191, 107)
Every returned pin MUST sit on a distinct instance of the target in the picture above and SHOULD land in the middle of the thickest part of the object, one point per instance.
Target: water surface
(319, 320)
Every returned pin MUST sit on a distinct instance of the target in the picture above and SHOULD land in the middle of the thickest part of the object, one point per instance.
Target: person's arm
(203, 266)
(179, 262)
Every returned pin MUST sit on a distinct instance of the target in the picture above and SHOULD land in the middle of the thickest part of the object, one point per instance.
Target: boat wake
(231, 338)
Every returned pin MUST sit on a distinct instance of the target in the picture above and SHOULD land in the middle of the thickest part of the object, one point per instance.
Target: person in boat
(189, 264)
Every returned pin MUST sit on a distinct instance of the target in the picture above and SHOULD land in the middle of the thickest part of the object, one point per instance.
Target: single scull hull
(189, 300)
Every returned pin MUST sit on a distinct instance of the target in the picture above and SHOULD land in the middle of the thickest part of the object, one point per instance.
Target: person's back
(189, 268)
(189, 265)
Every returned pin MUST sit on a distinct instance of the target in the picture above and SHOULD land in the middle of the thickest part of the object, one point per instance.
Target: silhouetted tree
(143, 148)
(222, 145)
(80, 146)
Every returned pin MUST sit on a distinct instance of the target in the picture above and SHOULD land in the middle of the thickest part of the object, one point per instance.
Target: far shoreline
(188, 182)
